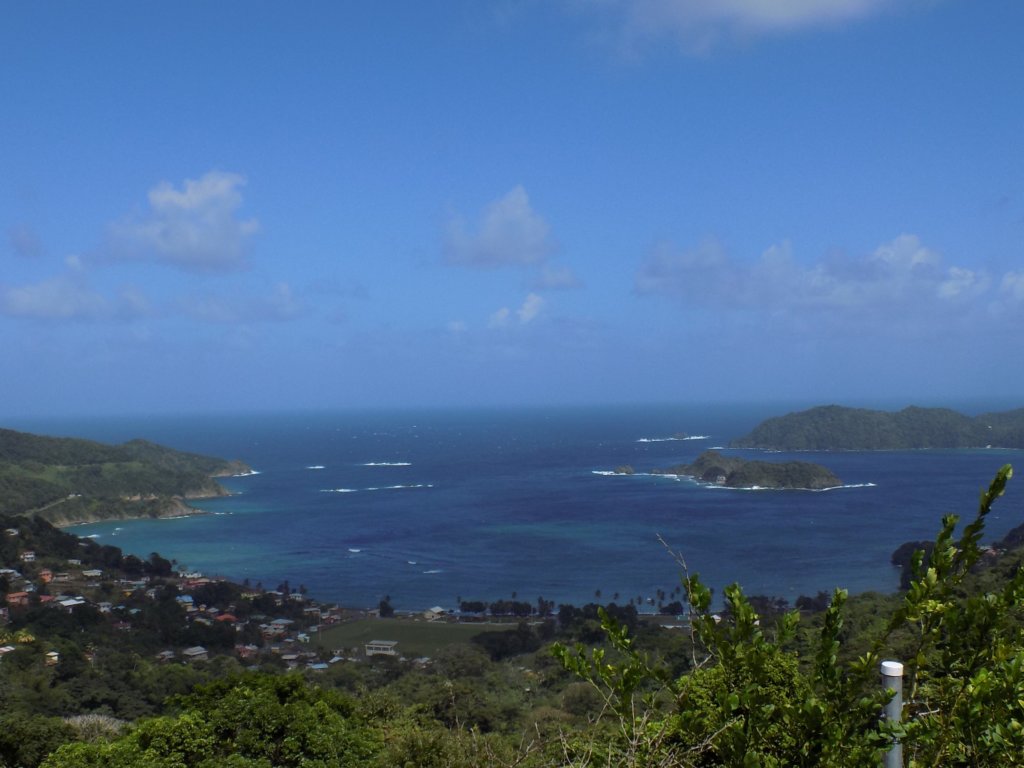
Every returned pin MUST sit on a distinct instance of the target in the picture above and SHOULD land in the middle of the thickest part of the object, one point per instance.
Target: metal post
(892, 678)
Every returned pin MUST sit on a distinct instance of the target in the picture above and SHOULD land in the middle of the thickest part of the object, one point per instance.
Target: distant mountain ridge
(838, 428)
(72, 480)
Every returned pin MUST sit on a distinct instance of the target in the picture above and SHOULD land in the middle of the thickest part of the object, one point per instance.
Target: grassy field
(415, 638)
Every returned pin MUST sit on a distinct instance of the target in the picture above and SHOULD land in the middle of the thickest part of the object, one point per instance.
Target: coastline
(167, 509)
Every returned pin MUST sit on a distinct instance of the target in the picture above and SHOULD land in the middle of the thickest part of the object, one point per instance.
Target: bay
(431, 506)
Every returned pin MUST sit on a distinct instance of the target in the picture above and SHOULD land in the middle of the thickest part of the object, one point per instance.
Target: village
(282, 626)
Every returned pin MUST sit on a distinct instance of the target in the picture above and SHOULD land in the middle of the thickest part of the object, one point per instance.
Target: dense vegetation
(836, 428)
(734, 472)
(67, 479)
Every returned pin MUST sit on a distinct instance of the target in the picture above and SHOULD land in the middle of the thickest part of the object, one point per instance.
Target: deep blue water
(486, 503)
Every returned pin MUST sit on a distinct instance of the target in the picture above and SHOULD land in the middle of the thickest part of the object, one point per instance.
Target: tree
(752, 699)
(251, 721)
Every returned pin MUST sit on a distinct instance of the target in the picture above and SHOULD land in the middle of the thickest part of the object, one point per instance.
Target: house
(69, 604)
(291, 660)
(195, 653)
(186, 602)
(28, 556)
(381, 648)
(92, 573)
(52, 659)
(435, 613)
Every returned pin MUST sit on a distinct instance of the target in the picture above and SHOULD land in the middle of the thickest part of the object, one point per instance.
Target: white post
(892, 678)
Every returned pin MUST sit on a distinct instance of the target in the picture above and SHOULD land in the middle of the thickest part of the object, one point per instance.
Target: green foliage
(26, 740)
(255, 720)
(837, 428)
(68, 478)
(760, 698)
(712, 466)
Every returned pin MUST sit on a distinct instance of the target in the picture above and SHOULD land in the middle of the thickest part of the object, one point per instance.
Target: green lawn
(415, 638)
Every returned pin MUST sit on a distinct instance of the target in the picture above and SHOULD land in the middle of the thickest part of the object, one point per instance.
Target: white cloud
(510, 233)
(530, 309)
(963, 283)
(526, 314)
(194, 228)
(457, 326)
(69, 298)
(281, 305)
(1012, 286)
(698, 25)
(902, 277)
(499, 319)
(60, 298)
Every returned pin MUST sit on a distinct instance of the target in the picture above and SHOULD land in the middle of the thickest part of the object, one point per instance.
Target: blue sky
(255, 205)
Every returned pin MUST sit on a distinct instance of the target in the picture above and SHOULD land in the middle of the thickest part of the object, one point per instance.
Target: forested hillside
(68, 479)
(837, 428)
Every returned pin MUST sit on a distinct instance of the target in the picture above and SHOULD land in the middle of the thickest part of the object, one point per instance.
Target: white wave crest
(316, 466)
(434, 570)
(250, 473)
(400, 487)
(378, 488)
(388, 464)
(672, 439)
(354, 550)
(611, 473)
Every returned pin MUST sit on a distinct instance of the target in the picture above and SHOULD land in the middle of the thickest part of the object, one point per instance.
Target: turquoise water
(430, 506)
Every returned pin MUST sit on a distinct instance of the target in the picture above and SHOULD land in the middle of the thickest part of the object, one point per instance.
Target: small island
(733, 472)
(70, 480)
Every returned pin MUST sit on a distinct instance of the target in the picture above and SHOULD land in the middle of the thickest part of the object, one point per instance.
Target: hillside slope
(838, 428)
(70, 480)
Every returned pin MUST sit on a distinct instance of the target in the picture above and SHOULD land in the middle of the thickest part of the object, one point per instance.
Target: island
(71, 480)
(838, 428)
(714, 468)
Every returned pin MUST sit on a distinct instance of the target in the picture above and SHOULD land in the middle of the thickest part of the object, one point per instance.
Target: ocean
(432, 506)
